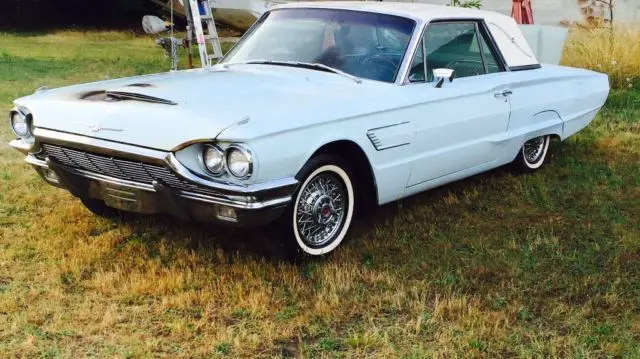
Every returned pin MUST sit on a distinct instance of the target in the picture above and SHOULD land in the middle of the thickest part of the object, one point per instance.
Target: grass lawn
(498, 265)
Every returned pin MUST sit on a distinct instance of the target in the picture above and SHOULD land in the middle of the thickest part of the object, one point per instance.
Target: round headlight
(213, 159)
(20, 124)
(239, 162)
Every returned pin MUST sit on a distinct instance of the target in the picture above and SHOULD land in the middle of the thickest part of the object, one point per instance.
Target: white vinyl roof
(509, 38)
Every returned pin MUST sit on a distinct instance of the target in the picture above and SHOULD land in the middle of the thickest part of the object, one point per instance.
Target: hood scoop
(120, 95)
(124, 95)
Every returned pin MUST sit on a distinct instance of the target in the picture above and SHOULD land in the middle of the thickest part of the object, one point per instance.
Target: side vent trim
(391, 136)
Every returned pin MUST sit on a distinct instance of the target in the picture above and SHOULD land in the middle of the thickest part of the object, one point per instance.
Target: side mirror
(440, 75)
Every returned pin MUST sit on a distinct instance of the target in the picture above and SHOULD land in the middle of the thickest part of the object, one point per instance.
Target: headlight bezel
(28, 122)
(246, 152)
(192, 157)
(220, 152)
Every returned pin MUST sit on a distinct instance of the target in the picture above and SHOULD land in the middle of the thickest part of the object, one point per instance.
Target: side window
(454, 46)
(490, 57)
(416, 71)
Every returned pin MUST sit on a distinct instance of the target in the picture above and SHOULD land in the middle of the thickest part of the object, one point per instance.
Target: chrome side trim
(525, 67)
(247, 201)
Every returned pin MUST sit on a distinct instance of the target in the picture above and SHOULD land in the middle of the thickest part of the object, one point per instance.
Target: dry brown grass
(614, 52)
(494, 266)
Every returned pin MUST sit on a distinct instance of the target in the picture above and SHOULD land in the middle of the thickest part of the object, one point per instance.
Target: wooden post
(187, 10)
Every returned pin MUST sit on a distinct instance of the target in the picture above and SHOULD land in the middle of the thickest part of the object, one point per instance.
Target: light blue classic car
(319, 110)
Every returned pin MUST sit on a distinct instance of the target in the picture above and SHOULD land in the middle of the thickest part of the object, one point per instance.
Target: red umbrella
(522, 11)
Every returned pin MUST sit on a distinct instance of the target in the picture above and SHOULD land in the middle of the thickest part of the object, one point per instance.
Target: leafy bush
(476, 4)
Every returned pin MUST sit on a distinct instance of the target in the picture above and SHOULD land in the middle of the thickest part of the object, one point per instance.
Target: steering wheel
(383, 68)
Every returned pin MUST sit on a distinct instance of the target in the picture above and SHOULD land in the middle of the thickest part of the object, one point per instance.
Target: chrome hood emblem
(99, 128)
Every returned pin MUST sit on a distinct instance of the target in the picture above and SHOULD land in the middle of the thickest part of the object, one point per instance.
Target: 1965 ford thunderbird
(319, 109)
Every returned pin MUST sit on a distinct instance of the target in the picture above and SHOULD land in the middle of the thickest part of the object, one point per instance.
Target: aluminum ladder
(210, 38)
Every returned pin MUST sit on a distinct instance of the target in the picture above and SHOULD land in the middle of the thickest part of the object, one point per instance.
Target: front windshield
(363, 44)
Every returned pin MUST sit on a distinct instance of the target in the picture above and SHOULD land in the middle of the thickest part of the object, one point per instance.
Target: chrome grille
(119, 168)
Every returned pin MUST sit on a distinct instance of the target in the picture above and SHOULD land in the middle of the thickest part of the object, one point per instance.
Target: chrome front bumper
(253, 204)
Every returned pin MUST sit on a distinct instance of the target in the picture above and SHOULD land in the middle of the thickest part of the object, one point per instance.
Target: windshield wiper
(307, 65)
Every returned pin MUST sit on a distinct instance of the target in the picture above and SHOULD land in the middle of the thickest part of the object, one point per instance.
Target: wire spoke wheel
(534, 149)
(533, 153)
(321, 209)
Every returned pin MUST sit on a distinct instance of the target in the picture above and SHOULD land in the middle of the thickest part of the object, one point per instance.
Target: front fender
(283, 154)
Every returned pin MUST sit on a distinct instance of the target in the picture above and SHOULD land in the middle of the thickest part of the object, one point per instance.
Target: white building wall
(552, 12)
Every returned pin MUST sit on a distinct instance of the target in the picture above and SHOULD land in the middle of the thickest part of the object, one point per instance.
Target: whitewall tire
(533, 153)
(323, 208)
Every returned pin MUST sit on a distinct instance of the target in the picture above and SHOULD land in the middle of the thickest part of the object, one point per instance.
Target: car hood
(166, 110)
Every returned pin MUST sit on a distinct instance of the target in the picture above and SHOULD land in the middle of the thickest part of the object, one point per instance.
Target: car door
(458, 125)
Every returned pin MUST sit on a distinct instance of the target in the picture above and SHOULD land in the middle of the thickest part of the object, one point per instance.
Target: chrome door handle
(504, 93)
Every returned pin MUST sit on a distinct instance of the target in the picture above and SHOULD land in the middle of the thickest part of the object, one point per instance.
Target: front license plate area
(122, 198)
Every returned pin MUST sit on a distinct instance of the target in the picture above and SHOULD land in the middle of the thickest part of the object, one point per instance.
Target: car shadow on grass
(207, 238)
(268, 243)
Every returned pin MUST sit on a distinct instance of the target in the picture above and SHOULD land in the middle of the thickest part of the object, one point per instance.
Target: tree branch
(606, 2)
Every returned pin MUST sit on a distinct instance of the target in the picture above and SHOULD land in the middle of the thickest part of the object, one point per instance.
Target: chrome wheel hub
(321, 210)
(534, 149)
